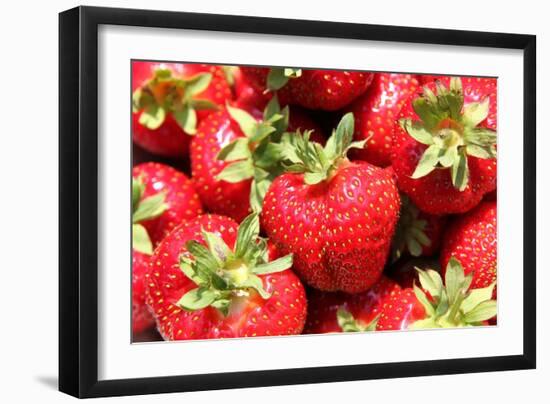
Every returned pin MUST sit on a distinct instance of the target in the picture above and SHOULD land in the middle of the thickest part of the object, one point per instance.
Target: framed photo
(253, 202)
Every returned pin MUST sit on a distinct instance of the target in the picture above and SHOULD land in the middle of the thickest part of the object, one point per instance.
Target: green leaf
(477, 296)
(246, 122)
(424, 324)
(152, 117)
(423, 299)
(138, 187)
(187, 120)
(427, 162)
(449, 156)
(197, 84)
(431, 281)
(262, 130)
(314, 178)
(483, 311)
(256, 283)
(276, 79)
(278, 265)
(150, 208)
(454, 278)
(236, 150)
(237, 171)
(346, 321)
(188, 267)
(222, 305)
(197, 299)
(272, 108)
(479, 152)
(202, 104)
(229, 73)
(140, 240)
(414, 247)
(204, 258)
(292, 72)
(217, 246)
(460, 171)
(248, 232)
(475, 113)
(417, 132)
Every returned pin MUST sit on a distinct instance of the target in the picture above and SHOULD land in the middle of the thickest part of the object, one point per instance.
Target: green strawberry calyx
(166, 94)
(451, 131)
(452, 304)
(144, 209)
(348, 323)
(316, 162)
(258, 155)
(223, 275)
(410, 232)
(279, 76)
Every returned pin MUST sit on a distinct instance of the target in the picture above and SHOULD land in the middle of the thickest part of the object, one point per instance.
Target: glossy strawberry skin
(169, 139)
(182, 200)
(375, 114)
(222, 197)
(282, 314)
(142, 319)
(435, 193)
(472, 239)
(364, 307)
(400, 310)
(328, 90)
(339, 230)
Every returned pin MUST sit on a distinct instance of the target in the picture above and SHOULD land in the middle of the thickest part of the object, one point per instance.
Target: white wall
(28, 224)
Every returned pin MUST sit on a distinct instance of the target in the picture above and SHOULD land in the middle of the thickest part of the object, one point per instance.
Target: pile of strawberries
(282, 201)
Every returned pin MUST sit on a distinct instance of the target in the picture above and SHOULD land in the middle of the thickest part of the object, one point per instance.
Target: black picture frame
(78, 201)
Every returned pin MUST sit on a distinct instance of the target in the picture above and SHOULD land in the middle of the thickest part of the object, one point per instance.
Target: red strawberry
(168, 101)
(170, 191)
(444, 151)
(472, 239)
(328, 90)
(337, 312)
(208, 279)
(142, 319)
(436, 305)
(336, 216)
(417, 233)
(235, 156)
(375, 114)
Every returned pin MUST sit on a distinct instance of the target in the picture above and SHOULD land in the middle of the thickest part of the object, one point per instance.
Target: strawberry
(375, 114)
(142, 319)
(472, 239)
(162, 198)
(169, 99)
(336, 216)
(337, 312)
(417, 233)
(210, 279)
(328, 90)
(438, 305)
(235, 157)
(444, 151)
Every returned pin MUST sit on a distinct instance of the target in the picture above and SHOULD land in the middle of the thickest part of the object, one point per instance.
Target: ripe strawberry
(328, 90)
(436, 305)
(209, 280)
(376, 112)
(142, 319)
(162, 198)
(336, 216)
(337, 312)
(444, 151)
(235, 157)
(169, 99)
(417, 233)
(472, 239)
